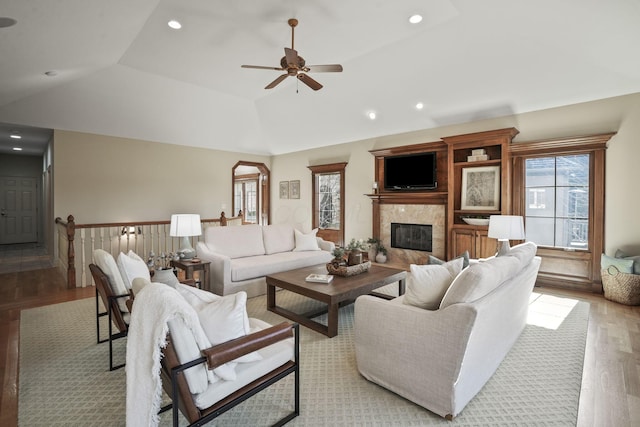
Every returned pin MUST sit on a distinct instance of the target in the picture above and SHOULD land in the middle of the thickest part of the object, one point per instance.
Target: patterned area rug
(65, 381)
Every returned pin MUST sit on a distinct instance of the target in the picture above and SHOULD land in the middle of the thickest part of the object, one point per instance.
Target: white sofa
(241, 256)
(440, 359)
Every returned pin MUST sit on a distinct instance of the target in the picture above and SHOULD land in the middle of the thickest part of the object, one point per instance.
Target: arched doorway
(250, 192)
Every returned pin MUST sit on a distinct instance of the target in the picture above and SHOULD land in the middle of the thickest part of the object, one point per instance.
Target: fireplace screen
(411, 236)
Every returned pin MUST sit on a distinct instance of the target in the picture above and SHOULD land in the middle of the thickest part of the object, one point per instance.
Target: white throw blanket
(154, 306)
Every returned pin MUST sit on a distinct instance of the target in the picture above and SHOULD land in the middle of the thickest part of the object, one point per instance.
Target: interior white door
(18, 210)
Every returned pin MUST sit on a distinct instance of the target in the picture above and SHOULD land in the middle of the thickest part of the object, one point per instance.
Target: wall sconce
(131, 230)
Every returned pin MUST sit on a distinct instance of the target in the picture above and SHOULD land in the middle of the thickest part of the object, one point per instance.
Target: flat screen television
(410, 172)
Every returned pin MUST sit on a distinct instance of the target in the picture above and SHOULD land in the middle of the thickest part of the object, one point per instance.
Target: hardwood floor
(610, 393)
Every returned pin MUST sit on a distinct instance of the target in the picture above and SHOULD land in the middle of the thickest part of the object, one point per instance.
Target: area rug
(65, 381)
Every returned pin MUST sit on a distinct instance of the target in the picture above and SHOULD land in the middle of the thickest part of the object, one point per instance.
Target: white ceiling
(122, 72)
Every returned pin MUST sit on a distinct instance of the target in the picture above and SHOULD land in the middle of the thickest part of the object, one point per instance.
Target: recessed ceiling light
(17, 149)
(176, 25)
(415, 19)
(419, 106)
(371, 115)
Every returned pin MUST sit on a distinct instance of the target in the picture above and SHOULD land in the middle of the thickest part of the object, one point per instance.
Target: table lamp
(505, 228)
(185, 226)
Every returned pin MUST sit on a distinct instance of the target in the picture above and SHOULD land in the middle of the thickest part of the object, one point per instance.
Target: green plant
(338, 252)
(382, 249)
(356, 245)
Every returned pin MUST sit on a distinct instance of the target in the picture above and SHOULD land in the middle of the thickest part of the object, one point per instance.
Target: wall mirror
(250, 192)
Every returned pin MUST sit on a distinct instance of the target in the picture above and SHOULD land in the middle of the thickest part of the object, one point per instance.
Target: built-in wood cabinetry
(496, 144)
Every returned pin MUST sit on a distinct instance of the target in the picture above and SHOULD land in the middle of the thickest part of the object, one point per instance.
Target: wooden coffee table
(341, 291)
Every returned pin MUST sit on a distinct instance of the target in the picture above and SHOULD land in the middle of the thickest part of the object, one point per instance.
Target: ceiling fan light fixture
(174, 24)
(415, 19)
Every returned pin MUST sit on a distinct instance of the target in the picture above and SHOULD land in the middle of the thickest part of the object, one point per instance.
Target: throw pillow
(428, 283)
(636, 260)
(225, 319)
(131, 266)
(464, 256)
(623, 265)
(306, 242)
(107, 264)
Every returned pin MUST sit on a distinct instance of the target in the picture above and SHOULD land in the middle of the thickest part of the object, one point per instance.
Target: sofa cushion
(107, 264)
(132, 266)
(479, 279)
(464, 256)
(259, 266)
(278, 238)
(427, 284)
(306, 242)
(272, 356)
(235, 241)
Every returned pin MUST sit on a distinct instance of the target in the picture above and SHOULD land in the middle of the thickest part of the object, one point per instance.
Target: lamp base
(186, 251)
(503, 248)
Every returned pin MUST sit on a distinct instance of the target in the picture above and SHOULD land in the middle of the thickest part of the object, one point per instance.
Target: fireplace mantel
(410, 197)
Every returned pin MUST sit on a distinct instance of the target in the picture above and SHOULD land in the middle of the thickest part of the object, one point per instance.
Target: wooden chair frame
(110, 301)
(175, 384)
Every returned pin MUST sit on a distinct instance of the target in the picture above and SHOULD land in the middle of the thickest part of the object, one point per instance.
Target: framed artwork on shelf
(480, 189)
(284, 189)
(294, 189)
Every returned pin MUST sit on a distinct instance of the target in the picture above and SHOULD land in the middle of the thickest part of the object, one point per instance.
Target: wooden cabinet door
(462, 239)
(485, 246)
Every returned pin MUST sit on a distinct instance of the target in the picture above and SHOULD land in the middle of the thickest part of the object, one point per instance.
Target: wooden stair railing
(68, 239)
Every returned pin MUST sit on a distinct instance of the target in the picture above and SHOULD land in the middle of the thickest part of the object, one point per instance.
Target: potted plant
(381, 256)
(338, 256)
(373, 242)
(355, 248)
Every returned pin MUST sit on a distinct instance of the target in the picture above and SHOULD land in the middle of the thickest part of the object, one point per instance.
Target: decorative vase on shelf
(381, 258)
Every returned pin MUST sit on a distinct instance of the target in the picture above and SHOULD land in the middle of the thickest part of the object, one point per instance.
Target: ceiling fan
(295, 66)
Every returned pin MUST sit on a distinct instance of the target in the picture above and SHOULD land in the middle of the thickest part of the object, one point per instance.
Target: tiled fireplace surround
(434, 215)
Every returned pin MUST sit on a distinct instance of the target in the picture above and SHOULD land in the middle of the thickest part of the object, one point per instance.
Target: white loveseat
(241, 256)
(440, 359)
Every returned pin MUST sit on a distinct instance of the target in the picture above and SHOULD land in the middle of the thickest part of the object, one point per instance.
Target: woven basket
(352, 270)
(621, 287)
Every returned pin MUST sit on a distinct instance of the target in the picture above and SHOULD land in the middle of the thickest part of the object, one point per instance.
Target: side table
(189, 267)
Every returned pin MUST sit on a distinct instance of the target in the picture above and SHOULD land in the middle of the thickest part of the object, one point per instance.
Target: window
(557, 207)
(328, 201)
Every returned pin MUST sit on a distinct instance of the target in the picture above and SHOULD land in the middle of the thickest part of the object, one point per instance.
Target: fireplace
(417, 237)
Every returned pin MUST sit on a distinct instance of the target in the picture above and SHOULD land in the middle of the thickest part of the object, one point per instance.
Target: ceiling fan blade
(309, 81)
(260, 67)
(328, 68)
(277, 81)
(292, 57)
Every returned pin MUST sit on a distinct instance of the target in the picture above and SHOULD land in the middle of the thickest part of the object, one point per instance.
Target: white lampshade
(505, 228)
(185, 225)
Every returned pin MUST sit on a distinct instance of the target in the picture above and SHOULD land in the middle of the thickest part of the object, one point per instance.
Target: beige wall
(104, 179)
(620, 114)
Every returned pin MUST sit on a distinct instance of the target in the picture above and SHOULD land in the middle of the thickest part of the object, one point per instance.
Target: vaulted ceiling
(117, 69)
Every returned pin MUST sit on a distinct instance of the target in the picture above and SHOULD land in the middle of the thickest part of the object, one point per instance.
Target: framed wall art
(294, 189)
(284, 189)
(480, 189)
